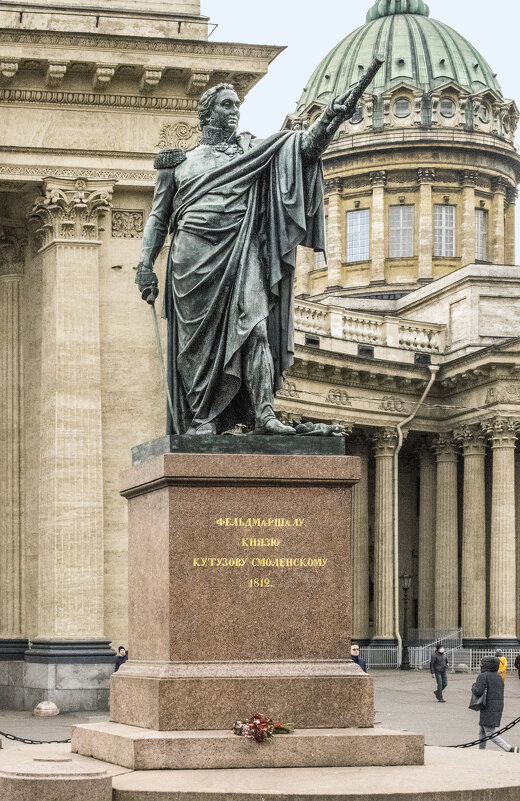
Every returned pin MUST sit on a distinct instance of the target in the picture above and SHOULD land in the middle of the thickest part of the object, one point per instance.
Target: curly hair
(208, 98)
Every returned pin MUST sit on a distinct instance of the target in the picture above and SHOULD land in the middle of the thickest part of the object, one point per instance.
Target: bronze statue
(236, 208)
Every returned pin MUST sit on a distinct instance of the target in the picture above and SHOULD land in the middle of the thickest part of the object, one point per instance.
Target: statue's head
(220, 107)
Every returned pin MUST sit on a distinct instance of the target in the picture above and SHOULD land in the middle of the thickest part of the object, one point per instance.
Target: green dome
(417, 50)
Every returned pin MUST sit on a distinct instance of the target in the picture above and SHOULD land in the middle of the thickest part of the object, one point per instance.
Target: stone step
(448, 775)
(145, 749)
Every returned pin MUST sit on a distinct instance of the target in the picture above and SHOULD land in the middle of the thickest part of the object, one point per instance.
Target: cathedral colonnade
(464, 544)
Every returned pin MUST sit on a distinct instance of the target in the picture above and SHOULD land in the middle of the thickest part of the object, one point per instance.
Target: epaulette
(167, 159)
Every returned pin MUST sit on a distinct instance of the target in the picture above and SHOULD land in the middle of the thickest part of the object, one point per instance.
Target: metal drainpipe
(434, 369)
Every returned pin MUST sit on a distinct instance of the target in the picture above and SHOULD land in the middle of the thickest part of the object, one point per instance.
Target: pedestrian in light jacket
(491, 715)
(439, 671)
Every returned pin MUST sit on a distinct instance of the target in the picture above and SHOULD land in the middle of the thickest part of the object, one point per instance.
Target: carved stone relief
(181, 135)
(127, 224)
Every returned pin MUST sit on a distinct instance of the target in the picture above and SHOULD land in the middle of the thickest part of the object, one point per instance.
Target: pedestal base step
(448, 775)
(144, 749)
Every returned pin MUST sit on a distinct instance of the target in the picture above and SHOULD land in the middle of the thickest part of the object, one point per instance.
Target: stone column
(502, 433)
(385, 442)
(499, 187)
(70, 585)
(12, 258)
(426, 583)
(425, 176)
(305, 263)
(377, 232)
(359, 545)
(446, 535)
(468, 181)
(473, 590)
(517, 526)
(510, 225)
(335, 227)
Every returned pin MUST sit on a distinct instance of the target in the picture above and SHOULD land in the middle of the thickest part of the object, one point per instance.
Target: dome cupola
(385, 8)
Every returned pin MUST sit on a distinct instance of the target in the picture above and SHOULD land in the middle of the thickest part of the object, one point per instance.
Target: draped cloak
(231, 262)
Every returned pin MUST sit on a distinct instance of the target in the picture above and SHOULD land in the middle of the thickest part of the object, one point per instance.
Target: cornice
(86, 41)
(148, 176)
(126, 102)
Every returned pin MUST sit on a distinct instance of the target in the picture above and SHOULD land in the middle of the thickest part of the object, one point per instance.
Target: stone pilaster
(385, 442)
(473, 590)
(510, 225)
(426, 584)
(425, 177)
(502, 433)
(359, 545)
(517, 527)
(12, 258)
(499, 188)
(446, 535)
(377, 231)
(70, 586)
(468, 180)
(335, 228)
(305, 262)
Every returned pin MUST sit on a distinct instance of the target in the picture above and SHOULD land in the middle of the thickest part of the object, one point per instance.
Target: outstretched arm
(154, 234)
(317, 138)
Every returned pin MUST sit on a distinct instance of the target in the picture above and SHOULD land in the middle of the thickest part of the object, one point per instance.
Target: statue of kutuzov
(236, 208)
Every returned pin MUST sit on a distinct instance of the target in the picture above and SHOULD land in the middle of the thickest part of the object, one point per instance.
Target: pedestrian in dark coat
(122, 656)
(439, 670)
(354, 655)
(491, 715)
(517, 664)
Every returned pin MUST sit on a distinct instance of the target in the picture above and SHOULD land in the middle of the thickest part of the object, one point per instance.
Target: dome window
(447, 107)
(402, 107)
(357, 116)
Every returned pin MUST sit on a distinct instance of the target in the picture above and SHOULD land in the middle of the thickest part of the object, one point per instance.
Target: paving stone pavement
(403, 700)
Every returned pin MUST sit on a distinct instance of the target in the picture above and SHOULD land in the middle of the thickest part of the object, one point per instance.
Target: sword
(161, 358)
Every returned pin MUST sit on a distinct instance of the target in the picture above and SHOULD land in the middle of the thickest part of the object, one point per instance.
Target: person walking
(491, 715)
(439, 671)
(502, 670)
(517, 664)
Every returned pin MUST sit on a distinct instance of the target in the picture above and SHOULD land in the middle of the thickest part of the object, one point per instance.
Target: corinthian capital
(501, 431)
(12, 250)
(471, 439)
(385, 442)
(445, 448)
(70, 209)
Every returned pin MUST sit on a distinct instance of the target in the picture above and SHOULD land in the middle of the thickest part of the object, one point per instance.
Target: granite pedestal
(239, 601)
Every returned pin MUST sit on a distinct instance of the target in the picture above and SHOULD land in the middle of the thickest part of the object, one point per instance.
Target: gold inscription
(260, 542)
(218, 561)
(260, 583)
(282, 561)
(260, 522)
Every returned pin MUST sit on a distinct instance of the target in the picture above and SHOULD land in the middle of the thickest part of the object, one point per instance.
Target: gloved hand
(148, 284)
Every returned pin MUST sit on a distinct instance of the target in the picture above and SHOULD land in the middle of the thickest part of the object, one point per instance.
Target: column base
(80, 652)
(476, 642)
(12, 649)
(383, 642)
(502, 642)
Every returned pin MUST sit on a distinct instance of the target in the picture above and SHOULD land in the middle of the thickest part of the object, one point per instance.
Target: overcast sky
(311, 29)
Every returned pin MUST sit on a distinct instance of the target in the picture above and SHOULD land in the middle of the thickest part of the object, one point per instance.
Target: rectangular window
(319, 258)
(444, 231)
(358, 235)
(481, 234)
(401, 231)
